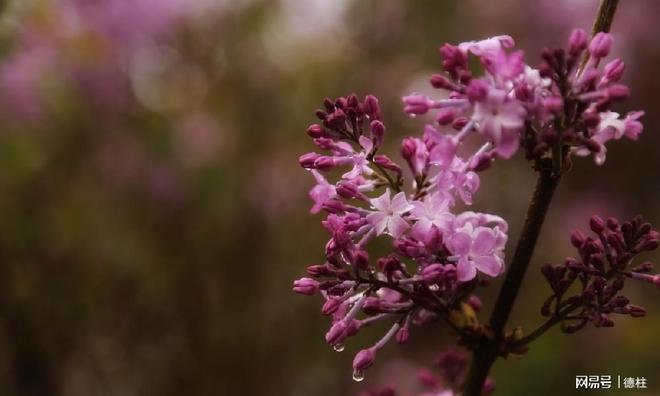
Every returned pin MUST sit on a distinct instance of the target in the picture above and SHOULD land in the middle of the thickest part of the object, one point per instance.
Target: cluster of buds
(444, 379)
(604, 263)
(561, 108)
(437, 254)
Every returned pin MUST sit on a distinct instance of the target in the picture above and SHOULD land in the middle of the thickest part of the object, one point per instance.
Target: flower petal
(484, 242)
(465, 271)
(397, 226)
(489, 265)
(459, 243)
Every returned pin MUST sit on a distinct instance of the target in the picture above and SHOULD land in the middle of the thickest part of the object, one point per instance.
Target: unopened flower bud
(315, 131)
(600, 45)
(618, 92)
(306, 286)
(445, 116)
(636, 311)
(402, 335)
(307, 160)
(331, 306)
(614, 70)
(577, 42)
(337, 333)
(371, 107)
(597, 224)
(347, 189)
(364, 359)
(577, 239)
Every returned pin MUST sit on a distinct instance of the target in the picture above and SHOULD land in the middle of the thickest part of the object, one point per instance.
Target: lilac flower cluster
(438, 253)
(560, 108)
(604, 263)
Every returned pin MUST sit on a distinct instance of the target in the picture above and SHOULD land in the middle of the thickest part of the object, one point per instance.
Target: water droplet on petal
(338, 347)
(358, 375)
(434, 287)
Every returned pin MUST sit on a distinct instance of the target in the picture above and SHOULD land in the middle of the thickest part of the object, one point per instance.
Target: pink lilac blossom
(440, 255)
(560, 103)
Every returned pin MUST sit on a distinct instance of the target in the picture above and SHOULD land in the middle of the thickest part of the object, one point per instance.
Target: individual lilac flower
(612, 127)
(476, 249)
(501, 121)
(431, 212)
(321, 193)
(388, 215)
(360, 162)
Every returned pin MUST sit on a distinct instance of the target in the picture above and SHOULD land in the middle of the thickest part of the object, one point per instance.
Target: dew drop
(338, 347)
(358, 375)
(434, 287)
(413, 116)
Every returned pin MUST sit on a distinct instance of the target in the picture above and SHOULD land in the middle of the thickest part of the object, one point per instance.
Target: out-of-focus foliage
(153, 215)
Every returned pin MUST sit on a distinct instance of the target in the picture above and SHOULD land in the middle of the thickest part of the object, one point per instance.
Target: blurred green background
(153, 215)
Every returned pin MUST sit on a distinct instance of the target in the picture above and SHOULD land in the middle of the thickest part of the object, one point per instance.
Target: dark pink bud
(372, 306)
(337, 333)
(347, 189)
(315, 130)
(408, 148)
(377, 131)
(364, 359)
(459, 123)
(324, 163)
(597, 224)
(331, 306)
(577, 42)
(402, 335)
(372, 107)
(387, 163)
(306, 286)
(441, 82)
(319, 270)
(334, 206)
(648, 244)
(445, 116)
(614, 70)
(577, 239)
(636, 311)
(618, 92)
(600, 45)
(307, 160)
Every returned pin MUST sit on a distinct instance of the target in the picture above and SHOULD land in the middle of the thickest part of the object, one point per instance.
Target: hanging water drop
(358, 375)
(338, 347)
